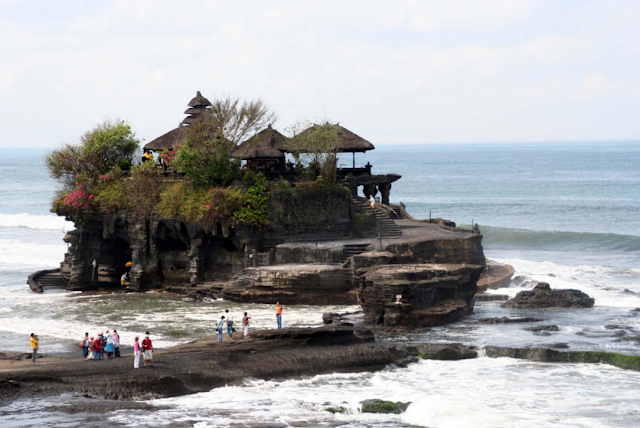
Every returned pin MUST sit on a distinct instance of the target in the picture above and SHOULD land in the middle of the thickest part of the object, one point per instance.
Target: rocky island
(210, 214)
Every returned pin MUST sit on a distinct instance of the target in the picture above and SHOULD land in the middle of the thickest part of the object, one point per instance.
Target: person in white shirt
(229, 316)
(372, 202)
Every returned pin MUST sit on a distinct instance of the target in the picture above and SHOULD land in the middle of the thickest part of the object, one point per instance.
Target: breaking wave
(30, 221)
(504, 238)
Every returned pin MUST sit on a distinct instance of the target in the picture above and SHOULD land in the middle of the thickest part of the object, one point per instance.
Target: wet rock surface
(447, 351)
(382, 406)
(203, 365)
(542, 296)
(543, 328)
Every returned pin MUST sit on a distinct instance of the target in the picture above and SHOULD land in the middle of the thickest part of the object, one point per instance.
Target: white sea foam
(30, 221)
(480, 393)
(17, 253)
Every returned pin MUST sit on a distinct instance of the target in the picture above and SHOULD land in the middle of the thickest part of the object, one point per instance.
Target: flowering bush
(74, 203)
(167, 157)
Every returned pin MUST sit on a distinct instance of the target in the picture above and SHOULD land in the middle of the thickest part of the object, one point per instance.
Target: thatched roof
(266, 144)
(199, 101)
(170, 140)
(347, 141)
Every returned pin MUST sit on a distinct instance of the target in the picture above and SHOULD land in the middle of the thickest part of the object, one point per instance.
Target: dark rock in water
(543, 328)
(636, 310)
(545, 355)
(542, 296)
(507, 320)
(558, 346)
(617, 327)
(551, 275)
(627, 291)
(381, 406)
(619, 333)
(446, 351)
(491, 297)
(345, 318)
(338, 409)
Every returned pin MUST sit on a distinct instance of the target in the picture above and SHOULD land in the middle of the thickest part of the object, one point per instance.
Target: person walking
(109, 348)
(372, 202)
(102, 345)
(279, 315)
(147, 347)
(219, 328)
(245, 323)
(97, 347)
(35, 345)
(116, 343)
(136, 354)
(229, 316)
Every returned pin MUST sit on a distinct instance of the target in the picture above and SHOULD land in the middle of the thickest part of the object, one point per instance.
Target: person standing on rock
(229, 316)
(85, 346)
(92, 350)
(220, 328)
(136, 354)
(116, 343)
(245, 323)
(97, 347)
(147, 347)
(279, 315)
(109, 348)
(35, 345)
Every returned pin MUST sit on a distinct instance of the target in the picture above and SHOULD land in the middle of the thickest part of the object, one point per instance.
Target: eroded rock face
(542, 296)
(292, 284)
(432, 294)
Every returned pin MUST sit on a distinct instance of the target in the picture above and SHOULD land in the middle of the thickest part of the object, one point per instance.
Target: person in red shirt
(97, 347)
(147, 347)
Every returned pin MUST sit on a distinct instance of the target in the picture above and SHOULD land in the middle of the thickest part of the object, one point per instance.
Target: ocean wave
(30, 221)
(505, 238)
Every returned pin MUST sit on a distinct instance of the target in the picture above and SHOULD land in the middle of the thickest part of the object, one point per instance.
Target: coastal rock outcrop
(292, 284)
(447, 351)
(542, 296)
(430, 294)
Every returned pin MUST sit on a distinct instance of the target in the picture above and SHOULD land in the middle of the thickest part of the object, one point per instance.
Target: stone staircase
(353, 250)
(50, 278)
(383, 224)
(387, 228)
(396, 214)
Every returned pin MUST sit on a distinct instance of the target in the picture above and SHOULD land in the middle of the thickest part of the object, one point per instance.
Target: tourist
(109, 348)
(97, 347)
(116, 343)
(147, 156)
(147, 348)
(103, 344)
(92, 350)
(372, 202)
(279, 315)
(85, 345)
(136, 354)
(229, 322)
(245, 323)
(35, 345)
(219, 328)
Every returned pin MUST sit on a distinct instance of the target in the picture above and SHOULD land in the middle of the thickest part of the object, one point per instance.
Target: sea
(564, 213)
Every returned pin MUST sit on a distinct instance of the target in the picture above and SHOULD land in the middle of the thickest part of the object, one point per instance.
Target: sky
(394, 72)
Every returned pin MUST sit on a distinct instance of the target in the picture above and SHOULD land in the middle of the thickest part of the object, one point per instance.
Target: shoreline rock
(542, 296)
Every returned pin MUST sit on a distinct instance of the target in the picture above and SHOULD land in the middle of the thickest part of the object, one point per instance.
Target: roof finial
(198, 94)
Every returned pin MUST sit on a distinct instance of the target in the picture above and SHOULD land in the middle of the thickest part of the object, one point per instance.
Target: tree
(317, 144)
(239, 119)
(110, 144)
(205, 157)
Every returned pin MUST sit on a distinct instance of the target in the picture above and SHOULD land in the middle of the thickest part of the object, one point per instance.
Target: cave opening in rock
(380, 320)
(121, 255)
(170, 241)
(228, 245)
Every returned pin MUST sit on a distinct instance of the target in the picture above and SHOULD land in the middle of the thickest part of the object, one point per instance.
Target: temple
(322, 244)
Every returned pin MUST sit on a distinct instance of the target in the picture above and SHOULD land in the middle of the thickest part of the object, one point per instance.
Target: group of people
(226, 322)
(96, 348)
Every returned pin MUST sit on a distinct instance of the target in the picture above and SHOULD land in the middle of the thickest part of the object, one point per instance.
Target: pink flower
(90, 196)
